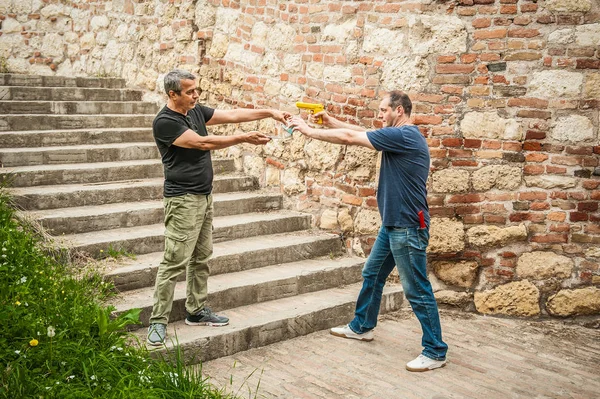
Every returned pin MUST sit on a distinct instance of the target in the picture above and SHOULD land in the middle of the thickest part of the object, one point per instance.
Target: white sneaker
(346, 332)
(424, 363)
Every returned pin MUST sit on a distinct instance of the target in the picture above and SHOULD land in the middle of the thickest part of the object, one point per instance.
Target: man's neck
(405, 120)
(171, 105)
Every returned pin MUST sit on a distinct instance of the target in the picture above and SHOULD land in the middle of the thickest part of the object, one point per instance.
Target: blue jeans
(404, 247)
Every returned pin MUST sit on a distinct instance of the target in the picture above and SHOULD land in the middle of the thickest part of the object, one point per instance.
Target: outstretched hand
(327, 121)
(256, 138)
(281, 116)
(298, 124)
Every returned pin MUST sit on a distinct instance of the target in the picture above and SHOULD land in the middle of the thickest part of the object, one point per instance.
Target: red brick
(580, 196)
(539, 206)
(556, 170)
(550, 238)
(532, 146)
(479, 23)
(446, 59)
(472, 219)
(441, 211)
(533, 169)
(490, 34)
(491, 145)
(453, 153)
(466, 198)
(346, 188)
(464, 162)
(523, 56)
(472, 143)
(533, 195)
(427, 120)
(527, 216)
(523, 32)
(531, 7)
(501, 196)
(454, 68)
(587, 206)
(366, 191)
(560, 228)
(587, 63)
(535, 135)
(438, 153)
(512, 146)
(372, 202)
(578, 216)
(527, 102)
(467, 210)
(452, 142)
(509, 9)
(351, 200)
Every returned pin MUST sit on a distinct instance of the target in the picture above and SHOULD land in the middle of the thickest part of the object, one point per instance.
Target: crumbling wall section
(507, 93)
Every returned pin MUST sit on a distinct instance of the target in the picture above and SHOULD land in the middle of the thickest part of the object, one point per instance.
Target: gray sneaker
(157, 333)
(206, 317)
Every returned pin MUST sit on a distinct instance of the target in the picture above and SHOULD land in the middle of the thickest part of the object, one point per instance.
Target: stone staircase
(80, 159)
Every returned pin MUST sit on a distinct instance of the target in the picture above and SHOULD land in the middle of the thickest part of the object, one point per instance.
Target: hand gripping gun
(312, 108)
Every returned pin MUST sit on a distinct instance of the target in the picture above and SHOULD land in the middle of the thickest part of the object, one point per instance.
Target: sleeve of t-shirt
(206, 112)
(389, 139)
(166, 131)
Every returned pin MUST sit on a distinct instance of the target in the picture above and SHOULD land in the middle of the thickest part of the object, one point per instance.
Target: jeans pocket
(174, 245)
(418, 239)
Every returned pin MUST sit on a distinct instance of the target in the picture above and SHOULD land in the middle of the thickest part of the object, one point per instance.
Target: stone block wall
(507, 93)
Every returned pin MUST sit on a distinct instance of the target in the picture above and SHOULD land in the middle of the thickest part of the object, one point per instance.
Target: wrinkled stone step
(9, 79)
(150, 238)
(38, 175)
(52, 122)
(72, 195)
(11, 157)
(48, 138)
(77, 107)
(232, 290)
(28, 93)
(265, 323)
(128, 214)
(243, 254)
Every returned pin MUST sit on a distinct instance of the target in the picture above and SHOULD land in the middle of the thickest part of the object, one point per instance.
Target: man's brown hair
(399, 98)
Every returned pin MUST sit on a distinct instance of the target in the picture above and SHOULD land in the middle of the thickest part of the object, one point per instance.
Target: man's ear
(400, 110)
(171, 94)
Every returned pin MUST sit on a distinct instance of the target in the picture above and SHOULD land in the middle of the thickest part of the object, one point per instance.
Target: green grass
(57, 339)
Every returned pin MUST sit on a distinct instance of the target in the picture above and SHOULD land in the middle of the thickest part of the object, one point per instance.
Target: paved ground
(489, 358)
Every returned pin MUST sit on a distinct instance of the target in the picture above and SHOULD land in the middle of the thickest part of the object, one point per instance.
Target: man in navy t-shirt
(404, 233)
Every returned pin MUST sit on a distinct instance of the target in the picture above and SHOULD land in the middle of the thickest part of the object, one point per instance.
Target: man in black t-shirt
(180, 133)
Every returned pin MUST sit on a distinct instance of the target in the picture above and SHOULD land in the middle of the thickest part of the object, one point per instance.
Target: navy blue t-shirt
(402, 191)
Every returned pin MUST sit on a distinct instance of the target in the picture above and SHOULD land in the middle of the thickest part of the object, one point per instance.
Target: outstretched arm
(191, 139)
(341, 135)
(332, 123)
(222, 116)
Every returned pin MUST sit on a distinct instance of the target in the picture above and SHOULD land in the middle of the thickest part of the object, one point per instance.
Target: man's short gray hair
(173, 80)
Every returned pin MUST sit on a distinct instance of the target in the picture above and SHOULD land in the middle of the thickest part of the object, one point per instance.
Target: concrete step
(232, 290)
(247, 253)
(38, 175)
(25, 93)
(9, 79)
(265, 323)
(48, 138)
(11, 157)
(84, 219)
(88, 194)
(52, 122)
(77, 107)
(150, 238)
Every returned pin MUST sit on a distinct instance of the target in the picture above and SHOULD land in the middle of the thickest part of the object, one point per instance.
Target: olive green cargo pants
(188, 245)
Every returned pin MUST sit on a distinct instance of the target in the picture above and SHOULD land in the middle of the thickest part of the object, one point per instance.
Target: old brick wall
(506, 91)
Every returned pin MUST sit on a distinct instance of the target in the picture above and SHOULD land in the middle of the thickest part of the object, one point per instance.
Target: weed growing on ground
(57, 340)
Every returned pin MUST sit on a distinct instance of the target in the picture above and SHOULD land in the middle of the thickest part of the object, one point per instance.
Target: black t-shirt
(187, 170)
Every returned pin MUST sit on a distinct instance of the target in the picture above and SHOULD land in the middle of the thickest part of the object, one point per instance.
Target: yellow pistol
(312, 108)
